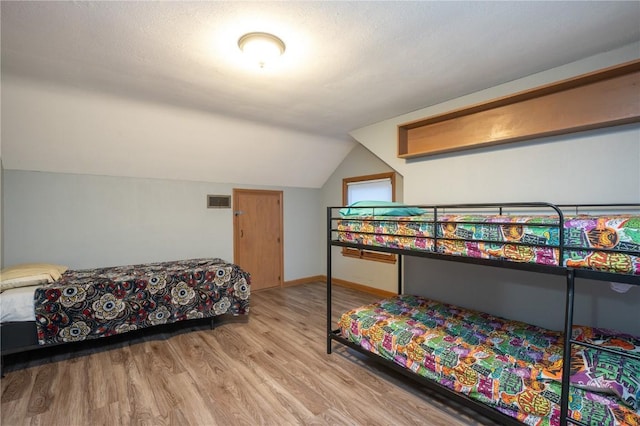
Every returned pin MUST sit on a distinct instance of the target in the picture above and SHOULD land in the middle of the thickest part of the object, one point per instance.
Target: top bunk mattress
(607, 243)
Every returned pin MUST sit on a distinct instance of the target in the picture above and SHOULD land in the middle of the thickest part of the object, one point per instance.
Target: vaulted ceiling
(346, 64)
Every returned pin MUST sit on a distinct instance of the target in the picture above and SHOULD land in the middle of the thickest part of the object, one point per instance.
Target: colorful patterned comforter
(604, 243)
(509, 365)
(93, 303)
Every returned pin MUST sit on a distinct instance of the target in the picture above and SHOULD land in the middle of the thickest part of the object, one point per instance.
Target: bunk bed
(477, 359)
(71, 306)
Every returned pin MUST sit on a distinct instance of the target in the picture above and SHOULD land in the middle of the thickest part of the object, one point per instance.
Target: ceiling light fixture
(261, 47)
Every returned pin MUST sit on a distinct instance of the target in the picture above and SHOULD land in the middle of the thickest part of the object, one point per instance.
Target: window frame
(363, 253)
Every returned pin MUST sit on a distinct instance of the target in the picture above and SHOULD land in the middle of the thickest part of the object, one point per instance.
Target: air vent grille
(218, 201)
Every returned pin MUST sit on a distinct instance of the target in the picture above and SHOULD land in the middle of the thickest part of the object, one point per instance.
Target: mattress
(16, 304)
(604, 243)
(94, 303)
(509, 365)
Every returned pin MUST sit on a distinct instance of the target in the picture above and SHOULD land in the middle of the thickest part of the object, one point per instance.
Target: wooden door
(257, 236)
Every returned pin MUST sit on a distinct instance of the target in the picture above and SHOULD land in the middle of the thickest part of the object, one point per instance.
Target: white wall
(88, 221)
(589, 167)
(302, 244)
(55, 128)
(359, 162)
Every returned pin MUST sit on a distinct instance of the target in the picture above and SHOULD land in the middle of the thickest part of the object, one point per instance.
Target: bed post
(329, 280)
(566, 356)
(399, 274)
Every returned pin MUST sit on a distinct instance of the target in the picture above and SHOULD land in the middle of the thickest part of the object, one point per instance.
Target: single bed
(89, 304)
(468, 361)
(509, 365)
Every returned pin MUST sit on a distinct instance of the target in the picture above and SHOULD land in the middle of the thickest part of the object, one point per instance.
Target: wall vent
(218, 201)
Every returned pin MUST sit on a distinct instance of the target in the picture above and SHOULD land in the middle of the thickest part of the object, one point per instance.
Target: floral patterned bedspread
(604, 243)
(510, 365)
(94, 303)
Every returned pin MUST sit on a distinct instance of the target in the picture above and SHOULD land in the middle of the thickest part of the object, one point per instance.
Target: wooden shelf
(603, 98)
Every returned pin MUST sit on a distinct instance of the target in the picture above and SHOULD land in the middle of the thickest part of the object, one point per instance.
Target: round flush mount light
(261, 47)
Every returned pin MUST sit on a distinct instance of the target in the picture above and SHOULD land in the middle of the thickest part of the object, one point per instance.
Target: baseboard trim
(341, 283)
(360, 287)
(306, 280)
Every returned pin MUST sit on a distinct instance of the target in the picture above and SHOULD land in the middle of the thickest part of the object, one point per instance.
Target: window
(375, 189)
(378, 187)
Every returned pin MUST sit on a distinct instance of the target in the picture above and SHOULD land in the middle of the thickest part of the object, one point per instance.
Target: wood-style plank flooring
(270, 370)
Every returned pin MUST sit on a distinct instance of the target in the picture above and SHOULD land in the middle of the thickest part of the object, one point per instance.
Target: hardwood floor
(270, 370)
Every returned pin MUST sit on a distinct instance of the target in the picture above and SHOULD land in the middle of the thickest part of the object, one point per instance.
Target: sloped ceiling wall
(53, 128)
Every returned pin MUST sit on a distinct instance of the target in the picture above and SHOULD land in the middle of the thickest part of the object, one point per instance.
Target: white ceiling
(346, 65)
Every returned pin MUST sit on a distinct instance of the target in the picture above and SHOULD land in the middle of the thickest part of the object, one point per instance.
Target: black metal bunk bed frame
(570, 273)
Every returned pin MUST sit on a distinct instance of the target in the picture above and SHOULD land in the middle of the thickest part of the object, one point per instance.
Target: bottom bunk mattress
(512, 366)
(94, 303)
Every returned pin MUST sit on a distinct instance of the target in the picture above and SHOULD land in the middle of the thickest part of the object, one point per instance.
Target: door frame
(236, 234)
